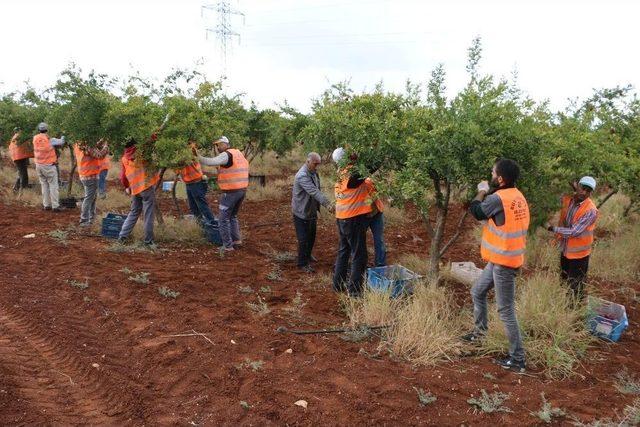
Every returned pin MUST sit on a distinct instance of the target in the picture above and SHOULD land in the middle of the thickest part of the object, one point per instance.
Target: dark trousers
(197, 198)
(306, 234)
(352, 247)
(22, 181)
(376, 225)
(574, 272)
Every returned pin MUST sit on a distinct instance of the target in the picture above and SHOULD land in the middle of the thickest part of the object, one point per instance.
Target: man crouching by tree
(140, 183)
(506, 214)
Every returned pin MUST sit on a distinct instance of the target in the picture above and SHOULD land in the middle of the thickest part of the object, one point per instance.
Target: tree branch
(608, 196)
(456, 235)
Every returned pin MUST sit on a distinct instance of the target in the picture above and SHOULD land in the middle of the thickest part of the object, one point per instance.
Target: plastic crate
(112, 224)
(606, 319)
(395, 279)
(167, 185)
(212, 232)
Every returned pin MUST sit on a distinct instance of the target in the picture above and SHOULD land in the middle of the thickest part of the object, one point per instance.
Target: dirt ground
(111, 354)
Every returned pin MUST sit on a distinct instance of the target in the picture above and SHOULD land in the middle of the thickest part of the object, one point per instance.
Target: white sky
(294, 49)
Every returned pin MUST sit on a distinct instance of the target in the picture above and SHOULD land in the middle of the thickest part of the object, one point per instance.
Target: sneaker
(230, 249)
(473, 337)
(237, 244)
(57, 209)
(511, 364)
(46, 208)
(85, 223)
(307, 269)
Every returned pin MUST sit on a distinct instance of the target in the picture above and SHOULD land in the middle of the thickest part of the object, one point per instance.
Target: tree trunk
(608, 196)
(159, 216)
(442, 206)
(74, 165)
(175, 199)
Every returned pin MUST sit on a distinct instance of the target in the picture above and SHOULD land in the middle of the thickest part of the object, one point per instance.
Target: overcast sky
(294, 50)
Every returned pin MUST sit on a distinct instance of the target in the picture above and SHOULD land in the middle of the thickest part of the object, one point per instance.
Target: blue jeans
(143, 203)
(230, 203)
(376, 224)
(102, 181)
(197, 198)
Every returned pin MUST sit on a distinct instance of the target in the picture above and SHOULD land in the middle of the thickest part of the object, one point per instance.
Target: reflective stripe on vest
(351, 202)
(191, 173)
(235, 177)
(43, 152)
(506, 244)
(87, 166)
(19, 151)
(578, 246)
(137, 177)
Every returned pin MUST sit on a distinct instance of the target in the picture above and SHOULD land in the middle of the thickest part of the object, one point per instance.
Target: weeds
(244, 405)
(255, 365)
(373, 309)
(168, 293)
(547, 413)
(126, 270)
(296, 305)
(627, 383)
(245, 289)
(59, 235)
(265, 289)
(489, 376)
(425, 398)
(80, 285)
(275, 274)
(260, 307)
(630, 417)
(617, 258)
(490, 403)
(142, 278)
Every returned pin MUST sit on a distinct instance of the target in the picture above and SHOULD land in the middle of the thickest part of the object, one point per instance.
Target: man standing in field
(574, 234)
(46, 167)
(89, 161)
(20, 154)
(233, 180)
(306, 199)
(104, 171)
(140, 183)
(353, 206)
(197, 187)
(504, 234)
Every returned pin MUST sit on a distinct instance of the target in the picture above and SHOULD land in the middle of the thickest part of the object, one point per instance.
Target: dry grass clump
(394, 216)
(414, 262)
(611, 217)
(272, 164)
(617, 258)
(542, 253)
(116, 201)
(553, 332)
(174, 230)
(373, 309)
(273, 190)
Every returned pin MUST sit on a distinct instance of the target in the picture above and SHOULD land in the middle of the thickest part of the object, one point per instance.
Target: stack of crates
(112, 224)
(395, 279)
(606, 319)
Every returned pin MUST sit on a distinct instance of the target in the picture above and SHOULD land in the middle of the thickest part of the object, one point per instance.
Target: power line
(223, 30)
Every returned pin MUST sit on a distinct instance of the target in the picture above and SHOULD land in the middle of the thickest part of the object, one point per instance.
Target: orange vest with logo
(578, 246)
(191, 173)
(43, 152)
(235, 177)
(506, 244)
(351, 202)
(19, 151)
(87, 166)
(137, 176)
(105, 163)
(374, 195)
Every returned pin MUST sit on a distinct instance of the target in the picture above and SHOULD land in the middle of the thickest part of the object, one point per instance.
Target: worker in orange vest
(102, 177)
(46, 160)
(506, 215)
(233, 180)
(140, 182)
(197, 187)
(20, 154)
(353, 206)
(89, 161)
(574, 234)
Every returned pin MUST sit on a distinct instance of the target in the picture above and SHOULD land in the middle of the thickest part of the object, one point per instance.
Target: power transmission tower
(223, 30)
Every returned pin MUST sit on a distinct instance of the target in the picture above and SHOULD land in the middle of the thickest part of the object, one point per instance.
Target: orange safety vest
(578, 246)
(87, 166)
(506, 244)
(44, 154)
(105, 163)
(19, 151)
(374, 195)
(351, 202)
(235, 177)
(191, 173)
(137, 176)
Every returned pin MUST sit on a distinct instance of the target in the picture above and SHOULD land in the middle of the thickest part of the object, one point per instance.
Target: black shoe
(46, 208)
(307, 269)
(56, 209)
(511, 364)
(473, 337)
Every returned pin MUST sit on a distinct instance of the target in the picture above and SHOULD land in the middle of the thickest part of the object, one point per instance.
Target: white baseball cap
(338, 154)
(588, 182)
(223, 139)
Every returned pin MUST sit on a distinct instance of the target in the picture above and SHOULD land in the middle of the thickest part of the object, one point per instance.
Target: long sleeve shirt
(55, 142)
(573, 229)
(307, 195)
(223, 159)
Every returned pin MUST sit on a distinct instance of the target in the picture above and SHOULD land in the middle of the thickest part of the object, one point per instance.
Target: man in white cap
(233, 180)
(46, 161)
(575, 234)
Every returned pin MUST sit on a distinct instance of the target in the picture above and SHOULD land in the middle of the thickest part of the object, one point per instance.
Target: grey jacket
(307, 196)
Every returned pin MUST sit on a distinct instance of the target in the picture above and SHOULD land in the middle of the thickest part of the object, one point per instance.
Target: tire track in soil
(53, 381)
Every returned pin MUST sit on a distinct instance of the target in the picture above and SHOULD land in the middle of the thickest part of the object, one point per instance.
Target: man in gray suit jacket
(305, 204)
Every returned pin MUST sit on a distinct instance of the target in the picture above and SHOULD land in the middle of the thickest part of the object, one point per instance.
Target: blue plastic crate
(112, 224)
(212, 232)
(395, 279)
(606, 319)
